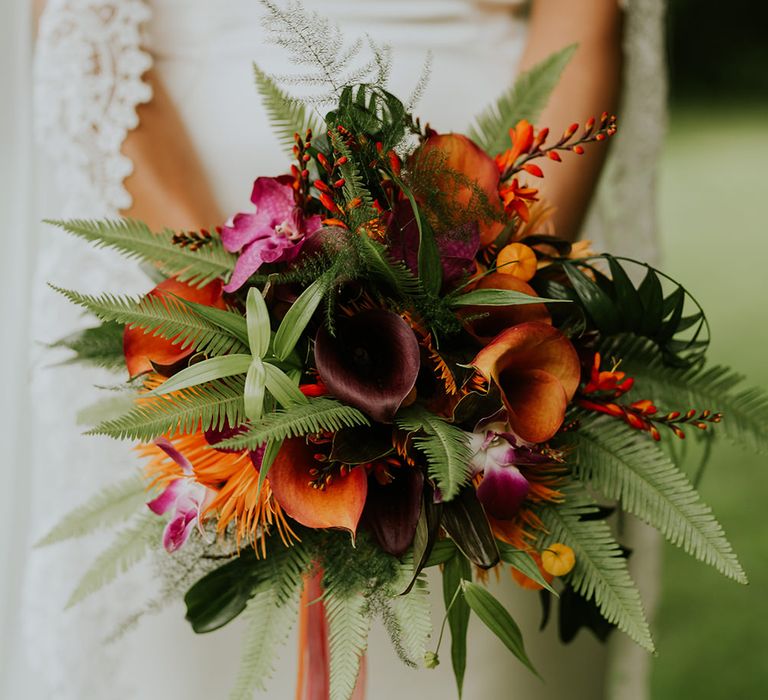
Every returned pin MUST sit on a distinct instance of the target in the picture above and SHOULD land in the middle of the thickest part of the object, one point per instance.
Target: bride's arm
(590, 85)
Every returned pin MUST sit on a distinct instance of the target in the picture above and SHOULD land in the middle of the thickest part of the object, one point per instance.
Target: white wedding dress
(90, 59)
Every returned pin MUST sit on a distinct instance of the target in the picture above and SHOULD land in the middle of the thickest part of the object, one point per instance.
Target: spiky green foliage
(109, 506)
(601, 571)
(620, 463)
(268, 625)
(130, 547)
(287, 115)
(315, 416)
(745, 410)
(445, 446)
(101, 346)
(165, 316)
(524, 100)
(210, 405)
(135, 240)
(354, 184)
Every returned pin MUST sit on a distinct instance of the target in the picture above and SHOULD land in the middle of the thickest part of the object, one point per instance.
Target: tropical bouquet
(387, 365)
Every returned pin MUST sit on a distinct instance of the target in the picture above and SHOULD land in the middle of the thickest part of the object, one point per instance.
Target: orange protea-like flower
(234, 478)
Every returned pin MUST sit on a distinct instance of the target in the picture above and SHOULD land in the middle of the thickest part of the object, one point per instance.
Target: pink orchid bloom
(183, 497)
(274, 233)
(496, 451)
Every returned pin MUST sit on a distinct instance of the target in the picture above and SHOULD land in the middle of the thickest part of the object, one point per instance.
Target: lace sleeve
(89, 65)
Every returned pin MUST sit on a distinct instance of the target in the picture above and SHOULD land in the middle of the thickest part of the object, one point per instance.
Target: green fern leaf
(354, 184)
(315, 416)
(111, 505)
(412, 618)
(601, 571)
(101, 346)
(136, 241)
(524, 100)
(287, 115)
(445, 446)
(211, 405)
(268, 624)
(128, 549)
(745, 410)
(348, 625)
(164, 316)
(622, 464)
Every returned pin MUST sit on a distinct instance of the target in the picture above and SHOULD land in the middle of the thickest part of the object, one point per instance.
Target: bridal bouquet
(386, 366)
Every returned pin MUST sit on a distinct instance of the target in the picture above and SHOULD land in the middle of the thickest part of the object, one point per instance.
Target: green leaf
(524, 563)
(425, 536)
(597, 303)
(203, 372)
(525, 100)
(101, 346)
(446, 448)
(229, 321)
(652, 303)
(498, 297)
(165, 316)
(257, 323)
(299, 315)
(497, 619)
(280, 385)
(600, 572)
(199, 408)
(314, 416)
(348, 624)
(465, 521)
(130, 546)
(621, 464)
(457, 570)
(136, 241)
(113, 504)
(255, 389)
(442, 551)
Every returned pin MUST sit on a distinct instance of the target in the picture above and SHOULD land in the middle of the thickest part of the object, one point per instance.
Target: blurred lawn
(712, 634)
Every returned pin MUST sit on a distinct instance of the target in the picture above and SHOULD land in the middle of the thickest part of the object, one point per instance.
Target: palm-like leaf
(622, 464)
(136, 241)
(601, 569)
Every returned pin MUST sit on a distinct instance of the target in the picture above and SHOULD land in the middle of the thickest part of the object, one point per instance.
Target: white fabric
(88, 68)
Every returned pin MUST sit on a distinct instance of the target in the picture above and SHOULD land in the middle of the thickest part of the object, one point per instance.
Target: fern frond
(622, 464)
(136, 241)
(601, 571)
(163, 316)
(745, 410)
(524, 100)
(269, 621)
(348, 624)
(111, 505)
(354, 184)
(287, 115)
(128, 549)
(315, 416)
(203, 407)
(101, 346)
(412, 618)
(445, 446)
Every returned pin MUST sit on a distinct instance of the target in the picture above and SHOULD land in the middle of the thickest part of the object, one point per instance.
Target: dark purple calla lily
(392, 508)
(372, 362)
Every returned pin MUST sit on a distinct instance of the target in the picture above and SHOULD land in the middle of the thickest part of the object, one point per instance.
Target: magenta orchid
(274, 233)
(183, 497)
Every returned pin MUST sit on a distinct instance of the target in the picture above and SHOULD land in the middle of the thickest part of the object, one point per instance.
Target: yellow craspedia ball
(558, 559)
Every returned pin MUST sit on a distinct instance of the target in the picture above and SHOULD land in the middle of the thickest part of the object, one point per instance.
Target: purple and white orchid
(183, 497)
(275, 232)
(497, 452)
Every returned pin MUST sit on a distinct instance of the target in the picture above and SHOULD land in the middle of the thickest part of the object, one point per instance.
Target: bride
(146, 108)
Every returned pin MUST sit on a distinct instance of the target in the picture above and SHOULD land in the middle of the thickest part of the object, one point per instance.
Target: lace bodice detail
(88, 83)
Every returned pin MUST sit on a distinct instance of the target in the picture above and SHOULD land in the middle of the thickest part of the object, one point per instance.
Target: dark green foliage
(465, 521)
(457, 569)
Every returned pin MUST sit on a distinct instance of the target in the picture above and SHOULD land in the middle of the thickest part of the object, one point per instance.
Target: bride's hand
(589, 86)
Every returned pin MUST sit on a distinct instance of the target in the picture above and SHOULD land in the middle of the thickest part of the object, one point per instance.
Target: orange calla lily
(492, 320)
(466, 158)
(538, 371)
(339, 503)
(142, 348)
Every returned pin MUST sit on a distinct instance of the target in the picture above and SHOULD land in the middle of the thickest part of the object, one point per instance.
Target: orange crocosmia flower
(338, 503)
(518, 260)
(466, 159)
(537, 370)
(522, 140)
(516, 198)
(142, 348)
(489, 321)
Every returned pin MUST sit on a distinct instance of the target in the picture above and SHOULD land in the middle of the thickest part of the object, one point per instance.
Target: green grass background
(712, 634)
